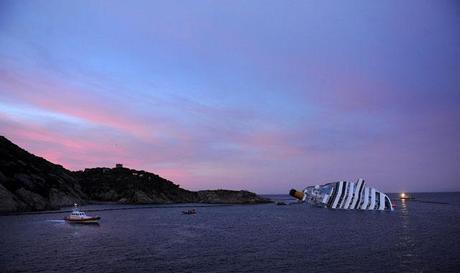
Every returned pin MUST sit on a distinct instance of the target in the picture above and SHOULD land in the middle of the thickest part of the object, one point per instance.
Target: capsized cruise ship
(344, 195)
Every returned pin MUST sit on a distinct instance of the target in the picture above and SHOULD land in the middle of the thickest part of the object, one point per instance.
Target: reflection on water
(408, 247)
(416, 237)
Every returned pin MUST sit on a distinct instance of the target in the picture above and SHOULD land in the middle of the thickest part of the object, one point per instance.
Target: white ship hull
(347, 195)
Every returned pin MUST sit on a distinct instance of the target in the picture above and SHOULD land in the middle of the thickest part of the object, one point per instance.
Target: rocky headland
(31, 183)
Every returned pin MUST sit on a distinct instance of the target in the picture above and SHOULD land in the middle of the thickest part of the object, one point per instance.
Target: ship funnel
(296, 194)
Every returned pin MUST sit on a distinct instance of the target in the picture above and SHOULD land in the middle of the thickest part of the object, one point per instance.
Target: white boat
(79, 217)
(344, 195)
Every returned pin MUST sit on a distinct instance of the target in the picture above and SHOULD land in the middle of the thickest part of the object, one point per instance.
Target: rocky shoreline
(31, 183)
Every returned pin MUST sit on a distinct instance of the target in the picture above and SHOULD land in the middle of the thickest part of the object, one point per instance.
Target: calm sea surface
(416, 237)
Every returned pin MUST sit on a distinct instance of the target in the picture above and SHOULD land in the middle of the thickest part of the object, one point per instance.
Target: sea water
(415, 237)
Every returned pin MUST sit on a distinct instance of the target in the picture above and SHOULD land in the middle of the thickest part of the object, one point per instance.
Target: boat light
(403, 195)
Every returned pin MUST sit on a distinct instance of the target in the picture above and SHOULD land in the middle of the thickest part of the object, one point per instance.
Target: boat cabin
(78, 213)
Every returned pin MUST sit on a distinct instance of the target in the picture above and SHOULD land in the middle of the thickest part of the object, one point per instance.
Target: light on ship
(403, 195)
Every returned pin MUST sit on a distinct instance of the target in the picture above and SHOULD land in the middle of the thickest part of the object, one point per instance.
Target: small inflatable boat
(190, 211)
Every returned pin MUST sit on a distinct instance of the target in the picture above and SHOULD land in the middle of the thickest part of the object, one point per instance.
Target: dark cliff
(29, 182)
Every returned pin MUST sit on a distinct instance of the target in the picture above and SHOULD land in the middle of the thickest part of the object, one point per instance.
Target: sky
(257, 95)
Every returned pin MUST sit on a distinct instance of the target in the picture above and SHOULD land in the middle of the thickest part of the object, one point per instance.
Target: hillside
(130, 186)
(140, 187)
(31, 183)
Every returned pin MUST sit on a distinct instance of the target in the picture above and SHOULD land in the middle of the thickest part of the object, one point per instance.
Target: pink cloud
(54, 144)
(88, 105)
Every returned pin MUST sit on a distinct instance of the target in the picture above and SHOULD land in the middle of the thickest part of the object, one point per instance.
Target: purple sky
(256, 95)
